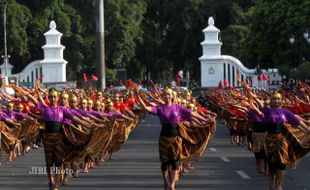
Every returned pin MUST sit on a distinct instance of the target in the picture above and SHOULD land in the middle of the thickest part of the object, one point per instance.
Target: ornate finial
(52, 25)
(211, 21)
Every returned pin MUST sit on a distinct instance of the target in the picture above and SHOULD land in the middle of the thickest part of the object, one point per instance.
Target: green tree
(271, 23)
(18, 19)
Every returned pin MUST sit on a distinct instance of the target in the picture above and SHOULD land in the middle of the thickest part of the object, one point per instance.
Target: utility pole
(5, 57)
(100, 44)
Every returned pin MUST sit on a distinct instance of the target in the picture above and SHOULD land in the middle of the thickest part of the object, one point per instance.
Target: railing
(30, 74)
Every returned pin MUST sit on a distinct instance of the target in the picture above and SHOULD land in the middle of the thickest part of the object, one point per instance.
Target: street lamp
(305, 34)
(291, 39)
(5, 56)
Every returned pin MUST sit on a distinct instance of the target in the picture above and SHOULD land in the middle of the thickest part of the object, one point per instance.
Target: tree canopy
(154, 39)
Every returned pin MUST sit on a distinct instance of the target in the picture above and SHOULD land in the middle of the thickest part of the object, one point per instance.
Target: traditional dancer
(277, 143)
(170, 142)
(53, 137)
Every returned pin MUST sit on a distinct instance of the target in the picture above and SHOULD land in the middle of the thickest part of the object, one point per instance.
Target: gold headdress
(10, 104)
(64, 95)
(53, 92)
(98, 102)
(73, 98)
(188, 92)
(84, 101)
(20, 106)
(267, 101)
(168, 91)
(109, 103)
(276, 95)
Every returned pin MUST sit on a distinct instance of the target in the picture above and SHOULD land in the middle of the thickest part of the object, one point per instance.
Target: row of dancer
(88, 132)
(104, 123)
(276, 130)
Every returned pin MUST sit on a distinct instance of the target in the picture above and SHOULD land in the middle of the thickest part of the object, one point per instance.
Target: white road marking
(225, 159)
(213, 149)
(243, 175)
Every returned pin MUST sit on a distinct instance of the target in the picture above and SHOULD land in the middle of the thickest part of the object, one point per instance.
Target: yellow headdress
(53, 92)
(187, 92)
(98, 102)
(99, 93)
(73, 98)
(90, 101)
(64, 95)
(267, 101)
(168, 91)
(10, 104)
(20, 106)
(191, 106)
(276, 95)
(109, 103)
(84, 101)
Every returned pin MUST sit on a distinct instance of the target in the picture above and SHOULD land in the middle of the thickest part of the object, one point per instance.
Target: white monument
(216, 68)
(211, 70)
(53, 64)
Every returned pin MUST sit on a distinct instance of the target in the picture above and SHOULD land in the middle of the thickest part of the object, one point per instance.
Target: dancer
(170, 142)
(53, 137)
(277, 143)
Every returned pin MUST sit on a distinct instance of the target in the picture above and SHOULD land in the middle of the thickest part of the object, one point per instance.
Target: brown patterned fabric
(121, 132)
(28, 131)
(277, 148)
(76, 137)
(7, 138)
(170, 148)
(259, 142)
(299, 145)
(54, 148)
(288, 147)
(195, 139)
(87, 141)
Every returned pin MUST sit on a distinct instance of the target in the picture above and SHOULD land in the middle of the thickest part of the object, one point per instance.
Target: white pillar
(211, 63)
(53, 64)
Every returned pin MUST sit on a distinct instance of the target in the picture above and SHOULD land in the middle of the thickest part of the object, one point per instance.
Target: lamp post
(305, 34)
(5, 56)
(292, 41)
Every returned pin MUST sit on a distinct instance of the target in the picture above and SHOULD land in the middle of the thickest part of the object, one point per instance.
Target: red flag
(220, 85)
(226, 83)
(177, 79)
(259, 78)
(130, 84)
(94, 77)
(84, 77)
(265, 77)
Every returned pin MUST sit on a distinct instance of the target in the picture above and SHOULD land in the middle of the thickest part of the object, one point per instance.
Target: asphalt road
(136, 167)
